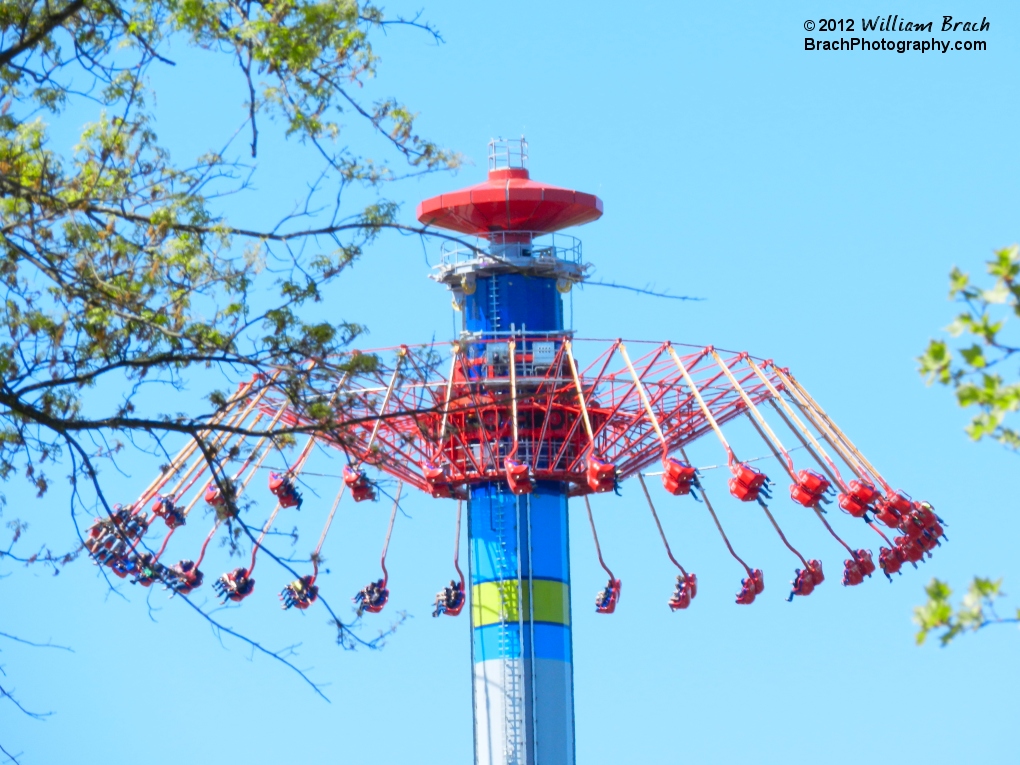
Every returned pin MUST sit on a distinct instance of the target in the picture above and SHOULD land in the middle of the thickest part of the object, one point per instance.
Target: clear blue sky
(817, 201)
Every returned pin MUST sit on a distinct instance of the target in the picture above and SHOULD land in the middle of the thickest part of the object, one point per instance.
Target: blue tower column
(520, 618)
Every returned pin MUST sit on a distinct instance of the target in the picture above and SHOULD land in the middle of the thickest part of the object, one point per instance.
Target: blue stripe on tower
(552, 641)
(490, 561)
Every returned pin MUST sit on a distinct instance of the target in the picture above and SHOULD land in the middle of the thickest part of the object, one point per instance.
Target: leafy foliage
(975, 611)
(974, 365)
(119, 269)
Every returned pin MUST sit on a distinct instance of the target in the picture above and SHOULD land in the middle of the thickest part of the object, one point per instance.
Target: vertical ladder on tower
(494, 303)
(511, 649)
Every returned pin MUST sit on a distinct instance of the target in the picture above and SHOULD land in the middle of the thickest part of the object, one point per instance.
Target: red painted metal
(678, 477)
(750, 587)
(356, 480)
(443, 425)
(508, 200)
(282, 487)
(686, 590)
(518, 477)
(605, 601)
(412, 445)
(747, 483)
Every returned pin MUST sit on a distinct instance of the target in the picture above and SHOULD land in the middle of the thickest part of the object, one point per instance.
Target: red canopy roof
(509, 201)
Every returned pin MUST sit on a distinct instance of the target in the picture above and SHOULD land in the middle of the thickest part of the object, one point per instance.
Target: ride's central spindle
(510, 288)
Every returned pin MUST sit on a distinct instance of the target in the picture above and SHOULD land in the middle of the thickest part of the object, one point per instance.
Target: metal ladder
(494, 303)
(511, 649)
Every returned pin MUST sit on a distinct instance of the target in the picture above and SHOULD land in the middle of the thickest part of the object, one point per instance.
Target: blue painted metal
(523, 669)
(513, 299)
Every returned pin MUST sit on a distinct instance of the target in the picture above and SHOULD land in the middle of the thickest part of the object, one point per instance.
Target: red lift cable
(761, 425)
(298, 463)
(185, 454)
(512, 349)
(815, 508)
(830, 471)
(182, 457)
(198, 467)
(718, 525)
(662, 533)
(823, 466)
(783, 536)
(595, 536)
(205, 544)
(219, 440)
(808, 405)
(456, 548)
(801, 430)
(389, 533)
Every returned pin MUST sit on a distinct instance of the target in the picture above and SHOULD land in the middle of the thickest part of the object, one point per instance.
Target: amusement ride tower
(516, 425)
(510, 294)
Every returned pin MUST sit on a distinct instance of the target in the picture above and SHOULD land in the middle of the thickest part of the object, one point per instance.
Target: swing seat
(455, 610)
(810, 488)
(815, 567)
(686, 590)
(605, 601)
(379, 604)
(852, 573)
(300, 593)
(372, 598)
(214, 497)
(438, 480)
(450, 606)
(910, 549)
(601, 476)
(751, 587)
(900, 501)
(518, 476)
(186, 577)
(864, 492)
(235, 585)
(813, 482)
(892, 507)
(747, 592)
(853, 505)
(743, 492)
(803, 583)
(747, 483)
(356, 480)
(866, 562)
(165, 508)
(800, 495)
(886, 513)
(891, 561)
(284, 490)
(679, 477)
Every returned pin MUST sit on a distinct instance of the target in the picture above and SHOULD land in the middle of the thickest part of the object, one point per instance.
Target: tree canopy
(975, 365)
(119, 266)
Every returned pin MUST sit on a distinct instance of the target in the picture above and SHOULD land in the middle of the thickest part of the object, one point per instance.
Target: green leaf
(958, 282)
(974, 356)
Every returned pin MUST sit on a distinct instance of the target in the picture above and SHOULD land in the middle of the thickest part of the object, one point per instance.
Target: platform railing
(516, 246)
(508, 153)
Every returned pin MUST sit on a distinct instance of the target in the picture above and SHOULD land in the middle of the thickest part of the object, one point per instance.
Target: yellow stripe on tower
(490, 599)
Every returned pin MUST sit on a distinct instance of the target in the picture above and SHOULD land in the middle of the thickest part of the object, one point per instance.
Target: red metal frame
(551, 438)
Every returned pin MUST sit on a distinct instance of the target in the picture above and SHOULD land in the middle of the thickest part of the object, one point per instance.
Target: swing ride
(518, 417)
